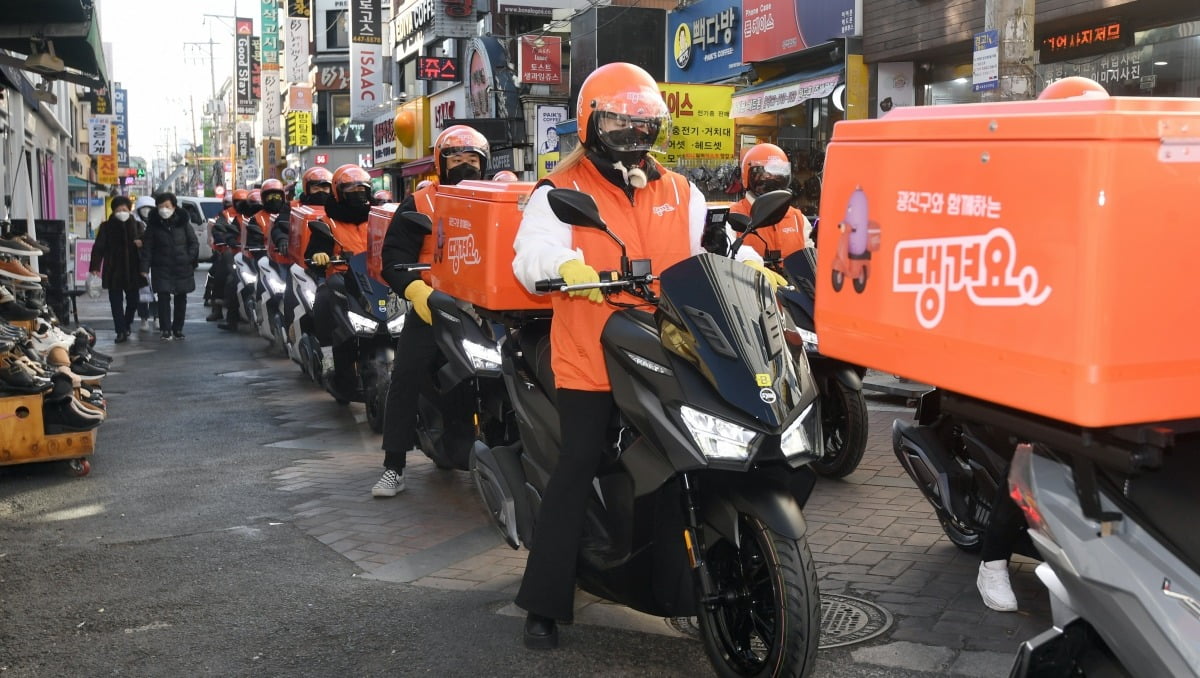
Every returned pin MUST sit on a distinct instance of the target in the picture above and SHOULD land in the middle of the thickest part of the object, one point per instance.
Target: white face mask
(121, 216)
(165, 212)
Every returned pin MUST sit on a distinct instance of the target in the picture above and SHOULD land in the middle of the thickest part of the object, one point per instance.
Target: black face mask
(463, 172)
(274, 204)
(318, 199)
(629, 159)
(250, 209)
(766, 185)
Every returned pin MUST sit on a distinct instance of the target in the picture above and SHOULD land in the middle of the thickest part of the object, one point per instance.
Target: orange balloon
(405, 126)
(1074, 86)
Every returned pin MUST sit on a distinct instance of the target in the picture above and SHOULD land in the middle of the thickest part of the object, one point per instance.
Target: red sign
(333, 77)
(540, 60)
(437, 68)
(1085, 42)
(322, 158)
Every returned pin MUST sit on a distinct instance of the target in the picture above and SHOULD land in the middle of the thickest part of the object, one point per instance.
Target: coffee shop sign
(424, 12)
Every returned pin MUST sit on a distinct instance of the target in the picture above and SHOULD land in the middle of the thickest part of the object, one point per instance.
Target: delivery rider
(766, 168)
(317, 184)
(250, 235)
(224, 235)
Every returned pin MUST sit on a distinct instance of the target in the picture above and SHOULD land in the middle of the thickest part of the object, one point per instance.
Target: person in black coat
(170, 252)
(115, 259)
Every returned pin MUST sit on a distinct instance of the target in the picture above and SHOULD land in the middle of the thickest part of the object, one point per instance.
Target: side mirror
(421, 220)
(320, 228)
(738, 221)
(575, 208)
(769, 208)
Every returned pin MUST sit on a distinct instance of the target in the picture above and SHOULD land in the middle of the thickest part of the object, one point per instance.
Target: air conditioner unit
(44, 63)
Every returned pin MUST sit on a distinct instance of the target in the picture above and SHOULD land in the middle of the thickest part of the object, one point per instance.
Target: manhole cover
(846, 620)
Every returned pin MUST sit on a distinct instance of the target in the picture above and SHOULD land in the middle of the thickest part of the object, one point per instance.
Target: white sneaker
(145, 326)
(390, 484)
(994, 586)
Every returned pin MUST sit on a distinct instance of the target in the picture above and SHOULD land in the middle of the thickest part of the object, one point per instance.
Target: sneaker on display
(13, 269)
(390, 484)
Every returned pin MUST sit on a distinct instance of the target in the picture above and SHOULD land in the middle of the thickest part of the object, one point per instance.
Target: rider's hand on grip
(320, 259)
(774, 278)
(575, 272)
(418, 293)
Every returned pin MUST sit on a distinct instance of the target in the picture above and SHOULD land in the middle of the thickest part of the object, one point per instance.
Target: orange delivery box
(298, 232)
(377, 227)
(1035, 254)
(475, 224)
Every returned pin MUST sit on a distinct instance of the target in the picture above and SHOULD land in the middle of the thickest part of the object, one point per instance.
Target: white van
(200, 212)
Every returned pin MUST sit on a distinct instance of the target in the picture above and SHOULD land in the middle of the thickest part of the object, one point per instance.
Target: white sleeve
(543, 243)
(808, 240)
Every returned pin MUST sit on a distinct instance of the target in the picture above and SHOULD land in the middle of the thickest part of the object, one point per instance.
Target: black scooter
(698, 511)
(843, 407)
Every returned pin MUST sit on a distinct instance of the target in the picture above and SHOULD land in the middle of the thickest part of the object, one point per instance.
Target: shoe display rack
(23, 439)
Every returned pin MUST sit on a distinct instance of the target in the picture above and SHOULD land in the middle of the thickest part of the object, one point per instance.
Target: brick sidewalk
(872, 534)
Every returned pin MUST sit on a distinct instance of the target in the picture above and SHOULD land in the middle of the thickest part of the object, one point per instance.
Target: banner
(245, 140)
(706, 41)
(242, 61)
(366, 57)
(299, 8)
(770, 30)
(383, 138)
(256, 70)
(299, 129)
(99, 136)
(271, 115)
(83, 257)
(539, 60)
(894, 86)
(270, 35)
(546, 137)
(296, 50)
(783, 96)
(120, 102)
(700, 122)
(106, 165)
(300, 98)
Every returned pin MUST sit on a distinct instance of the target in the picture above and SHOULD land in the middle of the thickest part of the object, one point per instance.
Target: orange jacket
(655, 227)
(348, 239)
(423, 199)
(788, 236)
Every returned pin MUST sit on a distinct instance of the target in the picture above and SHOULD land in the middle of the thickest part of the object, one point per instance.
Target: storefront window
(344, 131)
(1163, 62)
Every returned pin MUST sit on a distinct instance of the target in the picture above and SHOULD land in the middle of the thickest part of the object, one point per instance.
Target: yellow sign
(700, 122)
(106, 165)
(299, 128)
(762, 379)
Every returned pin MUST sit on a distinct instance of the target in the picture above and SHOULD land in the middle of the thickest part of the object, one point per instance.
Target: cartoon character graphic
(859, 237)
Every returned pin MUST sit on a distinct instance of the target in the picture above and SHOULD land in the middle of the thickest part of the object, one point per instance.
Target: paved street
(227, 529)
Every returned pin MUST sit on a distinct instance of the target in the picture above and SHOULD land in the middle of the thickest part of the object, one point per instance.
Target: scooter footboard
(501, 484)
(774, 495)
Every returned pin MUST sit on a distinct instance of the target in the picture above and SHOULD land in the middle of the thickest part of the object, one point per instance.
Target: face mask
(121, 216)
(274, 204)
(463, 172)
(165, 212)
(358, 199)
(319, 199)
(770, 183)
(144, 213)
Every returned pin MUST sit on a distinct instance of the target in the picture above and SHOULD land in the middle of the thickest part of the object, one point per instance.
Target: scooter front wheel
(844, 427)
(764, 619)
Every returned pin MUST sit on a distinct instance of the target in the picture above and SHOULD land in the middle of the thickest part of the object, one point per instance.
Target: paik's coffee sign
(706, 41)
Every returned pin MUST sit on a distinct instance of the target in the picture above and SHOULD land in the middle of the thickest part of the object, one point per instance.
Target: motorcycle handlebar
(310, 262)
(411, 267)
(560, 285)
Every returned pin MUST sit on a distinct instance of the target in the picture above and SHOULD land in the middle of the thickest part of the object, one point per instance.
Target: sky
(159, 71)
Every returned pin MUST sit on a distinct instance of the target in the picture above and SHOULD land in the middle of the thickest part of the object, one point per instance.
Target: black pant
(222, 262)
(548, 586)
(124, 306)
(230, 292)
(1006, 532)
(165, 318)
(412, 371)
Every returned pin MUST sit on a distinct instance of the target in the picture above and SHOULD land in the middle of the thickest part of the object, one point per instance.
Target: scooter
(302, 344)
(245, 272)
(844, 418)
(269, 301)
(698, 510)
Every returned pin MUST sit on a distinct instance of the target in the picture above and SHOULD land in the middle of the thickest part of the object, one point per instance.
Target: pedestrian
(115, 258)
(170, 255)
(661, 216)
(141, 211)
(459, 153)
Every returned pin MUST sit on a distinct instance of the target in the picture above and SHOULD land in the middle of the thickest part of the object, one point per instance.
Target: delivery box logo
(859, 237)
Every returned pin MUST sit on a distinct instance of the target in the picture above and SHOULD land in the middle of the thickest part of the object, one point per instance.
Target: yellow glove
(575, 272)
(774, 278)
(320, 259)
(418, 293)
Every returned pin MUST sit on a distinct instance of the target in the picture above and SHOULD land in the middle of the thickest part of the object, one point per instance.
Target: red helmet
(628, 95)
(505, 175)
(383, 196)
(271, 185)
(240, 194)
(765, 168)
(255, 196)
(347, 177)
(316, 175)
(460, 139)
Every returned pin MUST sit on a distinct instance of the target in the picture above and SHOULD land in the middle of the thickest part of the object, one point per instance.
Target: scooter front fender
(824, 367)
(773, 495)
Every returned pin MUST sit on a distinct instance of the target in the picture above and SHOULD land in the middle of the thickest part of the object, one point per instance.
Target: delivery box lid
(1066, 110)
(492, 191)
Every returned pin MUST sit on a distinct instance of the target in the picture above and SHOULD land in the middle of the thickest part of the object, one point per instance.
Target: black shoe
(122, 337)
(62, 417)
(11, 310)
(541, 633)
(17, 379)
(165, 336)
(178, 335)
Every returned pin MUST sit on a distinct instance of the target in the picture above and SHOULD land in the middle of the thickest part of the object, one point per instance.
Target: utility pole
(1013, 20)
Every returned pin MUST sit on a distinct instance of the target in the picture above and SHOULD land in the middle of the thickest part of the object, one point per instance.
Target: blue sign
(706, 41)
(120, 104)
(82, 201)
(985, 62)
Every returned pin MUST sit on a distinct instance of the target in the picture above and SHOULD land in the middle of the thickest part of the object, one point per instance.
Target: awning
(782, 93)
(77, 184)
(68, 28)
(422, 166)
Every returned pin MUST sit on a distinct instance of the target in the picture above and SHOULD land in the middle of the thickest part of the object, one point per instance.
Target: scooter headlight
(361, 324)
(797, 438)
(482, 356)
(276, 285)
(395, 324)
(718, 438)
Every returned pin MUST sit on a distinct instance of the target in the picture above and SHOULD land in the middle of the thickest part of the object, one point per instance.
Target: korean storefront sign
(437, 68)
(243, 59)
(384, 138)
(706, 41)
(448, 104)
(1104, 37)
(99, 136)
(106, 165)
(299, 129)
(700, 122)
(539, 60)
(366, 57)
(783, 96)
(296, 49)
(771, 29)
(300, 98)
(333, 77)
(270, 34)
(120, 108)
(548, 155)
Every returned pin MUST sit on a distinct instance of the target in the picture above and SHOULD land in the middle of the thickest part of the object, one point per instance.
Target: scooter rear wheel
(844, 427)
(765, 617)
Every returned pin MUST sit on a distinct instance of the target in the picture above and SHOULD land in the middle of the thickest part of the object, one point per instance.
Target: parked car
(200, 212)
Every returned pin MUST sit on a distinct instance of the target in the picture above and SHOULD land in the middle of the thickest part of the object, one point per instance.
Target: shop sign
(255, 73)
(1090, 41)
(546, 136)
(894, 86)
(296, 49)
(384, 145)
(448, 104)
(299, 98)
(120, 102)
(784, 96)
(270, 34)
(700, 122)
(99, 137)
(539, 60)
(299, 129)
(539, 7)
(417, 19)
(100, 99)
(243, 61)
(437, 68)
(271, 115)
(985, 61)
(491, 88)
(502, 159)
(299, 8)
(366, 57)
(332, 77)
(106, 165)
(706, 41)
(771, 29)
(1118, 69)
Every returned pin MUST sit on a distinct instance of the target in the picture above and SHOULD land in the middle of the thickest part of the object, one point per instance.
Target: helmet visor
(634, 121)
